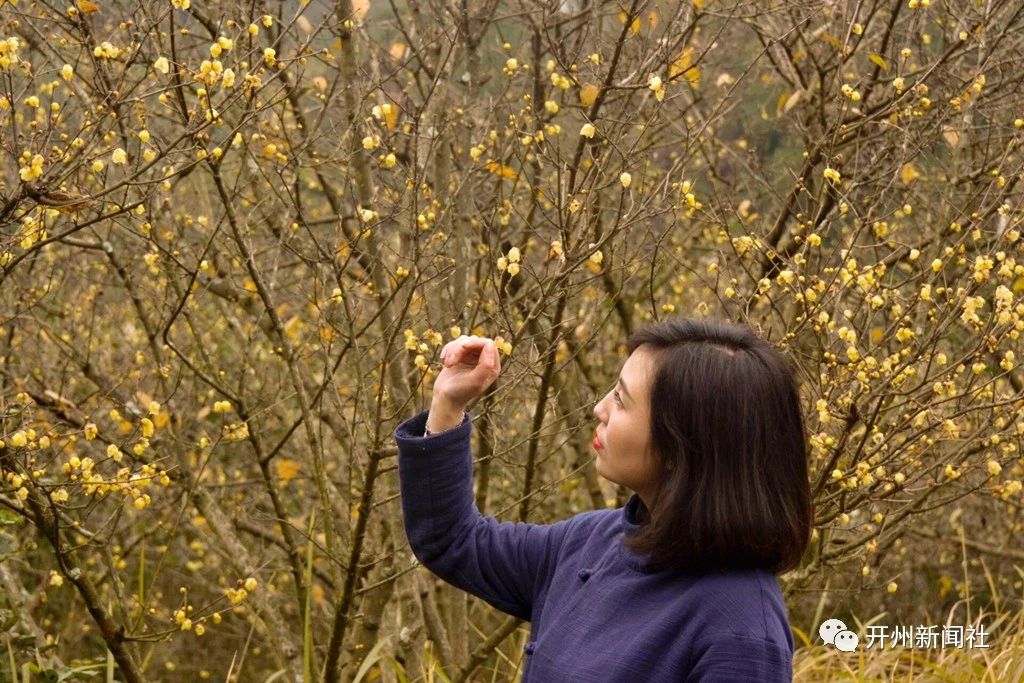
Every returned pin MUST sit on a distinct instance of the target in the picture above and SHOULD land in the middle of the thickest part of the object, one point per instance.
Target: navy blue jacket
(597, 613)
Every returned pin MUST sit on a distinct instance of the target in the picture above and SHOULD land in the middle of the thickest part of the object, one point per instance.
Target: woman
(704, 425)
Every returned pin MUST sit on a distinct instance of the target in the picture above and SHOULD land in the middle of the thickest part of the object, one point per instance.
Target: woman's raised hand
(471, 364)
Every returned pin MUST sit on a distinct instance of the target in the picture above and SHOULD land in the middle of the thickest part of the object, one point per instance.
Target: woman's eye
(617, 397)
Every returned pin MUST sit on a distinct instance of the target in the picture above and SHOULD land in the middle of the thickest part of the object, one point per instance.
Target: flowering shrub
(234, 235)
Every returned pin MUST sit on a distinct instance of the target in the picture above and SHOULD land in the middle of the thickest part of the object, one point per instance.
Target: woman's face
(624, 454)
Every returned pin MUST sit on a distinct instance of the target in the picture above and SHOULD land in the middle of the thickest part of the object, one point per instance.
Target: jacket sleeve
(503, 563)
(740, 659)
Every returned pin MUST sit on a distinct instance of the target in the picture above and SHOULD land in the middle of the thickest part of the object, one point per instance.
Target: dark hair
(728, 432)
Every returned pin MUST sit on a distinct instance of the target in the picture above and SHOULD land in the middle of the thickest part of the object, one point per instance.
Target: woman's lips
(597, 443)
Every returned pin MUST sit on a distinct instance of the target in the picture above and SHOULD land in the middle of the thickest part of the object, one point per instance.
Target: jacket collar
(634, 516)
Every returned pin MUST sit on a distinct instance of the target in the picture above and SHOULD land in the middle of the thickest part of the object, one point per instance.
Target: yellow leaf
(293, 327)
(780, 104)
(588, 94)
(286, 468)
(831, 40)
(397, 51)
(876, 334)
(909, 174)
(634, 26)
(360, 8)
(786, 102)
(501, 170)
(87, 6)
(699, 4)
(879, 60)
(682, 65)
(951, 137)
(1018, 285)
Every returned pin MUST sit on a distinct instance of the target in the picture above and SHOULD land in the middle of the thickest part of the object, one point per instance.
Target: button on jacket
(598, 613)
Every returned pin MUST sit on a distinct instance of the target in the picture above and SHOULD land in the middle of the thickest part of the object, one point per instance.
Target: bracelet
(427, 432)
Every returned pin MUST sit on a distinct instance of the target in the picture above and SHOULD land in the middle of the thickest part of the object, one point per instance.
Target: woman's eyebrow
(623, 384)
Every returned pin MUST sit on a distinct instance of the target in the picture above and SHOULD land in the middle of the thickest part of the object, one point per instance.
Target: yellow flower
(250, 584)
(162, 65)
(832, 174)
(8, 52)
(625, 179)
(181, 4)
(33, 170)
(588, 130)
(67, 72)
(904, 333)
(19, 439)
(119, 156)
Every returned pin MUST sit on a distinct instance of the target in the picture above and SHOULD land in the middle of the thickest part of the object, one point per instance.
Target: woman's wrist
(443, 416)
